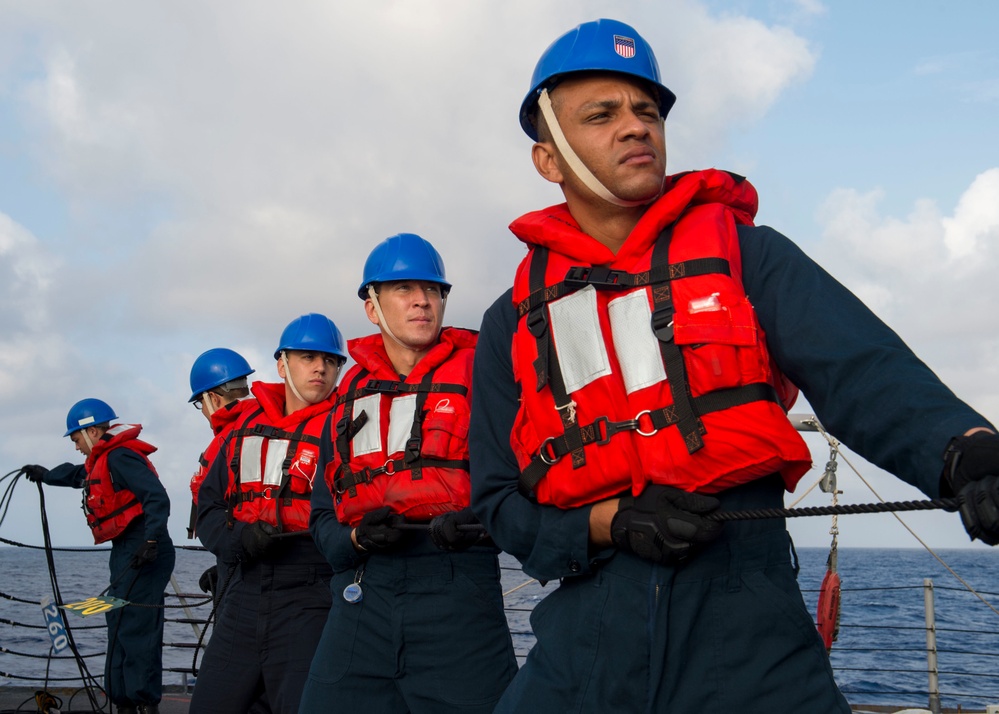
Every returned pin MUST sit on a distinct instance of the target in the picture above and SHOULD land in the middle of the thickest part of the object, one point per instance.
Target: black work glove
(971, 472)
(35, 473)
(664, 524)
(980, 509)
(446, 535)
(379, 530)
(146, 553)
(209, 580)
(256, 539)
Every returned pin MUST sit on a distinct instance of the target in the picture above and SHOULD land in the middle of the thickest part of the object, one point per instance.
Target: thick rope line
(947, 504)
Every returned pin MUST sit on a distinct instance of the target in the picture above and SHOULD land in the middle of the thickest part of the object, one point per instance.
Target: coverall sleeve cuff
(563, 545)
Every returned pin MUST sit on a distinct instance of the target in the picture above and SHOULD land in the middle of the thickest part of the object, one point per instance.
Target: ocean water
(879, 658)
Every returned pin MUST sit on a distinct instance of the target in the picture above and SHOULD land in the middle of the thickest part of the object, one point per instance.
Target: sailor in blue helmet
(417, 622)
(634, 381)
(253, 514)
(218, 390)
(218, 386)
(124, 503)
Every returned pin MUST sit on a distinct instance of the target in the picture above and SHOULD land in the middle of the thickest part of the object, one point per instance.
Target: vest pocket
(303, 469)
(445, 430)
(720, 337)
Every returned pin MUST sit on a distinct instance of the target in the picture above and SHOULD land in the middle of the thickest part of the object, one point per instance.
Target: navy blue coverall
(271, 615)
(133, 669)
(728, 629)
(429, 634)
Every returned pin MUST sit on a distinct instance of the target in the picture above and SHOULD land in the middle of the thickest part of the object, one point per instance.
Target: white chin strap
(206, 399)
(575, 163)
(291, 382)
(88, 440)
(383, 323)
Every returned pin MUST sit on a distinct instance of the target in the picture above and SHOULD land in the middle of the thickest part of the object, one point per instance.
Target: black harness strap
(415, 442)
(118, 511)
(603, 278)
(234, 464)
(646, 423)
(194, 505)
(690, 426)
(684, 411)
(281, 491)
(350, 480)
(388, 386)
(236, 434)
(346, 428)
(546, 366)
(346, 480)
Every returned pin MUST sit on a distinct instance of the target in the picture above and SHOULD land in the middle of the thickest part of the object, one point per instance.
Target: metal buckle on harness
(388, 467)
(382, 386)
(549, 445)
(605, 428)
(638, 425)
(266, 494)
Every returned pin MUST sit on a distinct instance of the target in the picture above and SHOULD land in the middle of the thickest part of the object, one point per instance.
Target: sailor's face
(313, 373)
(413, 311)
(613, 124)
(80, 441)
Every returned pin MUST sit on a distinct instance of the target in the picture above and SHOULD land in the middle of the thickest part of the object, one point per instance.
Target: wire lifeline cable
(90, 682)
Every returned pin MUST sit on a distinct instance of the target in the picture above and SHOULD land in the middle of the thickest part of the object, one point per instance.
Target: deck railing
(883, 661)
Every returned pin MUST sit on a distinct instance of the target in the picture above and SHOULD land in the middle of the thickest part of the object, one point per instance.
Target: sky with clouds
(185, 175)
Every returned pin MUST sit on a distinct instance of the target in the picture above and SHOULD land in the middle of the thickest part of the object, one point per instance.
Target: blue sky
(185, 175)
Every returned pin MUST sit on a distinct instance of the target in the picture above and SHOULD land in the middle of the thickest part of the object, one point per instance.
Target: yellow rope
(524, 584)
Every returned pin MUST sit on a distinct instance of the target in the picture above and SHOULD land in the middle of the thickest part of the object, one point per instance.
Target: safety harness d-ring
(548, 445)
(638, 424)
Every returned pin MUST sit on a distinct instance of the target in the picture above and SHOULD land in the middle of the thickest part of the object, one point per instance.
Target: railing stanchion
(931, 646)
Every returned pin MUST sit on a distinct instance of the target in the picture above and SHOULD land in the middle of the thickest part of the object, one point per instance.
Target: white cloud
(25, 274)
(809, 8)
(283, 147)
(931, 277)
(974, 229)
(226, 166)
(742, 66)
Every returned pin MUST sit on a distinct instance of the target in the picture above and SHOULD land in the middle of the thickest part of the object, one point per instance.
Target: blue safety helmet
(88, 412)
(403, 257)
(214, 368)
(312, 333)
(598, 46)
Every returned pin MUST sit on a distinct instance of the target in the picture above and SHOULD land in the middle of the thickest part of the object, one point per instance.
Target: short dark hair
(538, 119)
(232, 390)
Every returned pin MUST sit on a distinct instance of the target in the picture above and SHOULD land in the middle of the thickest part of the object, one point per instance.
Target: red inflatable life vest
(403, 443)
(109, 512)
(649, 365)
(273, 459)
(223, 421)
